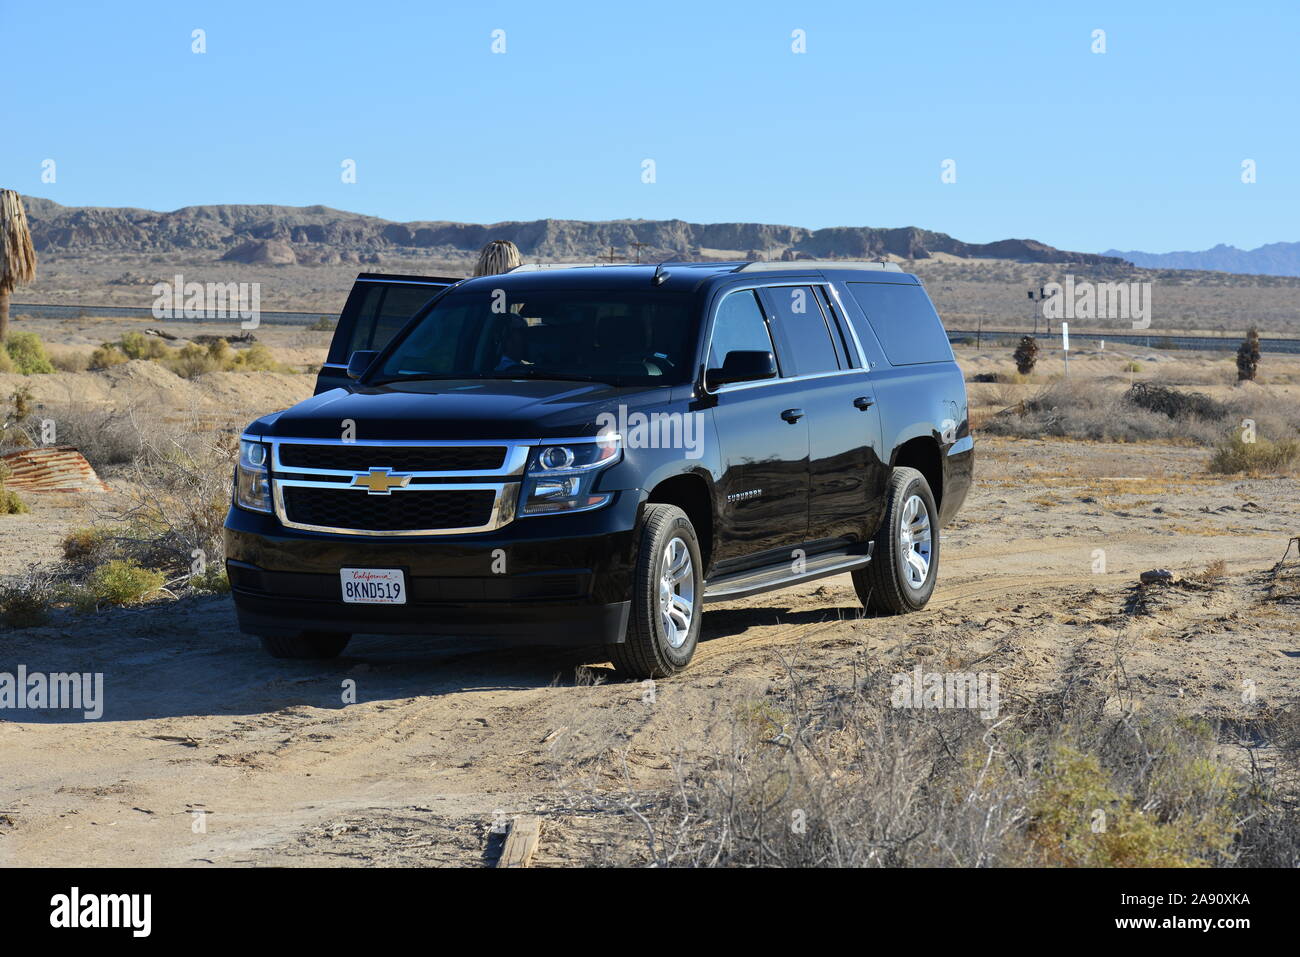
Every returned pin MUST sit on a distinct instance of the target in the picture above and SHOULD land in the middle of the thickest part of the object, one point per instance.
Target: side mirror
(359, 363)
(742, 365)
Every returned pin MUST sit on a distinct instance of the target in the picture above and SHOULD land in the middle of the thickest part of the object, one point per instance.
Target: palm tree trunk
(4, 316)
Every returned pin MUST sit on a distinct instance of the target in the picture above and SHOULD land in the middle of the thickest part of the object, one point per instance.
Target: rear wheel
(667, 594)
(306, 644)
(905, 562)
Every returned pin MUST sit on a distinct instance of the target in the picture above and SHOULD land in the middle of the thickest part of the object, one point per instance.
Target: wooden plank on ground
(521, 842)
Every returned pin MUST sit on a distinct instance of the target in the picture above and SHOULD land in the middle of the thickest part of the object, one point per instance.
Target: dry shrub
(178, 491)
(87, 546)
(26, 600)
(1260, 456)
(194, 360)
(1026, 355)
(27, 353)
(1175, 404)
(1212, 572)
(176, 484)
(10, 501)
(70, 360)
(136, 345)
(105, 357)
(123, 582)
(1083, 410)
(1087, 410)
(846, 780)
(106, 437)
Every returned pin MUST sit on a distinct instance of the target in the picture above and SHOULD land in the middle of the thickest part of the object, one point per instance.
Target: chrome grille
(418, 458)
(450, 487)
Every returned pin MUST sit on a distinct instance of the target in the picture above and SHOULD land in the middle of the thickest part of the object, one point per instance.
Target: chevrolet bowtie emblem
(380, 481)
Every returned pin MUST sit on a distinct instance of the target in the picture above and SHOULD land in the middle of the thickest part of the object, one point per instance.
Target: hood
(462, 409)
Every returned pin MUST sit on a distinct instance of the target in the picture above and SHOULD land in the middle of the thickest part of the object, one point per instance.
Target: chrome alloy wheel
(914, 540)
(677, 592)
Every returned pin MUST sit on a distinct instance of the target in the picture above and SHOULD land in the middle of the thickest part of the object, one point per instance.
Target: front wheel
(667, 594)
(905, 562)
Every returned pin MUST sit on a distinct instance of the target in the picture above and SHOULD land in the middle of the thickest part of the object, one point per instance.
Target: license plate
(373, 586)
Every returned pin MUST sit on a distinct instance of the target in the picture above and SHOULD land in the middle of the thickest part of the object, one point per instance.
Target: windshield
(607, 335)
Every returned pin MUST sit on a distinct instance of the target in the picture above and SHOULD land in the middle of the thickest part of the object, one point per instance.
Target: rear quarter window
(904, 321)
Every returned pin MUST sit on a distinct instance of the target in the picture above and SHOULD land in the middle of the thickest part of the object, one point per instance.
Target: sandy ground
(448, 737)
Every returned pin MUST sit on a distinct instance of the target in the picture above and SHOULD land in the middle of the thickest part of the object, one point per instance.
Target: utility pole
(638, 250)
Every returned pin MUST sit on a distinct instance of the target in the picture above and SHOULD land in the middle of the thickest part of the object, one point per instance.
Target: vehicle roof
(396, 277)
(681, 276)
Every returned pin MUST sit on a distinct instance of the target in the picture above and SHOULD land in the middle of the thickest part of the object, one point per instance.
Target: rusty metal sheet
(58, 468)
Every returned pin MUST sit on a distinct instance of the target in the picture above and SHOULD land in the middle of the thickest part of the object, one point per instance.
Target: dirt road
(447, 737)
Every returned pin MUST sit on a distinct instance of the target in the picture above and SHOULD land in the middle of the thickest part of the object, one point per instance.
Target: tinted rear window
(904, 322)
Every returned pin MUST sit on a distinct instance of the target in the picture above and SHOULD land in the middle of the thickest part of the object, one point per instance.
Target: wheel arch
(692, 492)
(923, 454)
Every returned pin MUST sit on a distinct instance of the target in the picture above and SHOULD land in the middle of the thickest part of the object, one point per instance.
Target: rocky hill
(285, 235)
(1273, 259)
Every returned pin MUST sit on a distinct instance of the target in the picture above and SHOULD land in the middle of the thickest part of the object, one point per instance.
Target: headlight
(252, 480)
(560, 476)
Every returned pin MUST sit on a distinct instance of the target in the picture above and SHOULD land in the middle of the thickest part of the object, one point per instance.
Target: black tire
(648, 651)
(305, 644)
(884, 585)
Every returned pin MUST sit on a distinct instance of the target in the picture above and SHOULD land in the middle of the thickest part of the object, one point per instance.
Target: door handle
(863, 403)
(792, 415)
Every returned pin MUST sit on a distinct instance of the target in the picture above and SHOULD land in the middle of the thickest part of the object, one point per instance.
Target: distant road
(1154, 341)
(1157, 340)
(40, 311)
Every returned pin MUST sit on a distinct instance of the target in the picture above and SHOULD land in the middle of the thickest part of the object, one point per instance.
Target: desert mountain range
(305, 235)
(1273, 259)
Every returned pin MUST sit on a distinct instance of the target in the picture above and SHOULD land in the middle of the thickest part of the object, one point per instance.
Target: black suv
(588, 455)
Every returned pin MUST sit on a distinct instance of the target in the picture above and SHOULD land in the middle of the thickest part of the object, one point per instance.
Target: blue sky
(1137, 148)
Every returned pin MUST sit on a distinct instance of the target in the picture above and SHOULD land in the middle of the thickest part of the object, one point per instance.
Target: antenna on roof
(661, 275)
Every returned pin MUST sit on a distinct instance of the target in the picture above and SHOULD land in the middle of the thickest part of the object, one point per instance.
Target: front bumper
(550, 579)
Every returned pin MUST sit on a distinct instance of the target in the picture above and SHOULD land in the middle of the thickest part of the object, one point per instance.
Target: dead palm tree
(498, 256)
(17, 254)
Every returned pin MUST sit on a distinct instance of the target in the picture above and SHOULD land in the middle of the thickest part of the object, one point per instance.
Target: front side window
(738, 326)
(616, 336)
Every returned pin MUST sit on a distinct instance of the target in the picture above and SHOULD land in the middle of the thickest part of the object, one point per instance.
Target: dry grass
(1255, 458)
(838, 777)
(1147, 412)
(162, 538)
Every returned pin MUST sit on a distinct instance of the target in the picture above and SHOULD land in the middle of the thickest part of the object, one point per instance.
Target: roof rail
(819, 264)
(537, 267)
